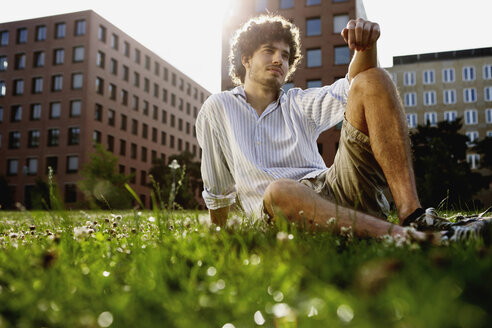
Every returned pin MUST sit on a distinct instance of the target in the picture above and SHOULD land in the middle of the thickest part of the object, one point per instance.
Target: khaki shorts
(355, 180)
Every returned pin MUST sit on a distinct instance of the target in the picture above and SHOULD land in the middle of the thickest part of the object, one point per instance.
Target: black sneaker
(427, 220)
(474, 228)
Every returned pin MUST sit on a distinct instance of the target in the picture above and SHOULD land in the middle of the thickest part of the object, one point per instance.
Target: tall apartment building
(325, 54)
(446, 85)
(69, 81)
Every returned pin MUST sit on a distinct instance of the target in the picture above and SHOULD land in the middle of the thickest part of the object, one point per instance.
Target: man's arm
(219, 216)
(361, 36)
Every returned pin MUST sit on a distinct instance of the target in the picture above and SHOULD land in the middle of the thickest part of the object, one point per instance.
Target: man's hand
(361, 34)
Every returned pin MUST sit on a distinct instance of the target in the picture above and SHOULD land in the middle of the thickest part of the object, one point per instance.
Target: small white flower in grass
(259, 319)
(301, 213)
(106, 273)
(211, 271)
(345, 313)
(255, 259)
(290, 236)
(228, 325)
(105, 319)
(281, 310)
(278, 296)
(331, 221)
(139, 213)
(151, 219)
(282, 235)
(312, 312)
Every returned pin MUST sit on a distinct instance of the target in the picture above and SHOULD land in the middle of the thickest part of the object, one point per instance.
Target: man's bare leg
(300, 204)
(375, 109)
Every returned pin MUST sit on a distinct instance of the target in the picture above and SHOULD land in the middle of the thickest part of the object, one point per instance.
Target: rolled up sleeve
(219, 189)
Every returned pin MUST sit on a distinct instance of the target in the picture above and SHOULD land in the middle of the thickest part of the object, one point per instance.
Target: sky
(187, 34)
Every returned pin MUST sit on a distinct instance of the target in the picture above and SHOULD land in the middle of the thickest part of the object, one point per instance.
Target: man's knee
(278, 193)
(372, 81)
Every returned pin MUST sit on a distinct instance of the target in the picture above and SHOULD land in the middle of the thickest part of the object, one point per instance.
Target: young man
(259, 143)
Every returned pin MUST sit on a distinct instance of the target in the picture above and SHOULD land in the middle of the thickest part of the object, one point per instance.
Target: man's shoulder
(217, 101)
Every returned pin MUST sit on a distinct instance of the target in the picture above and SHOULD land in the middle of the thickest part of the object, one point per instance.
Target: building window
(448, 75)
(171, 141)
(99, 85)
(313, 57)
(56, 83)
(342, 55)
(126, 49)
(313, 26)
(163, 138)
(470, 95)
(111, 117)
(143, 154)
(58, 56)
(286, 4)
(135, 102)
(314, 84)
(112, 91)
(260, 5)
(412, 120)
(124, 97)
(154, 135)
(429, 98)
(155, 112)
(164, 116)
(37, 85)
(53, 137)
(488, 115)
(473, 160)
(126, 73)
(1, 114)
(38, 59)
(100, 59)
(180, 144)
(75, 108)
(114, 41)
(472, 137)
(12, 166)
(450, 116)
(3, 89)
(60, 30)
(287, 86)
(55, 110)
(409, 78)
(133, 151)
(51, 162)
(18, 87)
(32, 166)
(101, 33)
(96, 137)
(113, 66)
(410, 99)
(123, 122)
(147, 62)
(173, 79)
(449, 97)
(340, 22)
(487, 72)
(137, 56)
(3, 63)
(16, 113)
(145, 130)
(146, 85)
(173, 120)
(487, 91)
(313, 2)
(78, 54)
(80, 27)
(134, 127)
(35, 112)
(22, 35)
(429, 76)
(471, 116)
(40, 33)
(14, 139)
(73, 136)
(98, 113)
(430, 118)
(20, 61)
(143, 182)
(469, 73)
(122, 147)
(4, 38)
(72, 164)
(110, 143)
(77, 80)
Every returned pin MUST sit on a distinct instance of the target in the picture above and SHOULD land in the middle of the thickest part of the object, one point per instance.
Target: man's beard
(271, 83)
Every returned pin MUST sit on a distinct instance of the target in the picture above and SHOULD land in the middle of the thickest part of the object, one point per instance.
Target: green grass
(151, 270)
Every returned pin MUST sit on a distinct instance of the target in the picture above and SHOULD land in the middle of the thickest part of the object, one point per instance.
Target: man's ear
(245, 61)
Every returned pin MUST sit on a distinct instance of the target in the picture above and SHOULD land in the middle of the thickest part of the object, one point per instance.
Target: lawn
(153, 269)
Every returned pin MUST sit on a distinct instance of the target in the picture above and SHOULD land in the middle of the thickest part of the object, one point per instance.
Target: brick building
(325, 54)
(68, 81)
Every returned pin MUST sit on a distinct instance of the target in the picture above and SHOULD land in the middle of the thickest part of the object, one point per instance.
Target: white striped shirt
(243, 153)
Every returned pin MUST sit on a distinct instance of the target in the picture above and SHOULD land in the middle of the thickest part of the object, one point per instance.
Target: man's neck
(260, 97)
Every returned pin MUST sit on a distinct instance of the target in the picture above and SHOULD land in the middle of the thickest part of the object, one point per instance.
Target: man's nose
(277, 58)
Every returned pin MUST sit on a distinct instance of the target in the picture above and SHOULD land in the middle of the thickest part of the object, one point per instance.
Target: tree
(441, 170)
(6, 196)
(484, 147)
(102, 185)
(188, 177)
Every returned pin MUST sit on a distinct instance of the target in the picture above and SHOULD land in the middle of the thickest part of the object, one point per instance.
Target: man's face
(268, 65)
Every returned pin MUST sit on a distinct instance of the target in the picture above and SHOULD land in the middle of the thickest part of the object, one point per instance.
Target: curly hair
(261, 30)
